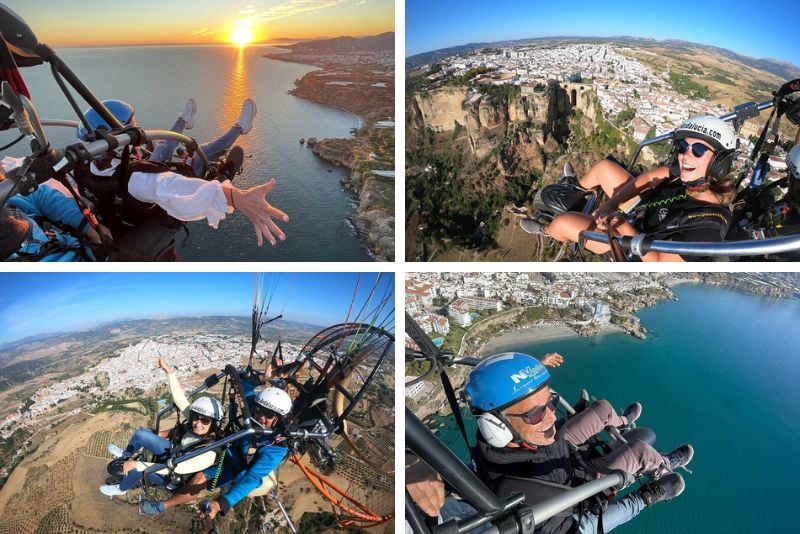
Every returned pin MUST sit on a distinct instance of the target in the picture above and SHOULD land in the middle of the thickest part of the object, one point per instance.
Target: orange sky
(100, 22)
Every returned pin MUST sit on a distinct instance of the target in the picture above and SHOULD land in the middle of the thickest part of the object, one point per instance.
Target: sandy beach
(534, 334)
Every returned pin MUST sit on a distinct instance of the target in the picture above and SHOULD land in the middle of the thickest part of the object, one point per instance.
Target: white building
(459, 313)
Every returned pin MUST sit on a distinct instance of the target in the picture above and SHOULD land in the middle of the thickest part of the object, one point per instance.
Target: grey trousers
(634, 458)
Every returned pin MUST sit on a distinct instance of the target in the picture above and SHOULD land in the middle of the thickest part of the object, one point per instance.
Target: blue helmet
(504, 379)
(121, 110)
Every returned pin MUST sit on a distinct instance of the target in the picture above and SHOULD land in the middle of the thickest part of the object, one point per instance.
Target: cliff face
(439, 110)
(341, 157)
(488, 118)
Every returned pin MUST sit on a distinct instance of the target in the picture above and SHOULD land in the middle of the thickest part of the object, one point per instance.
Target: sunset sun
(241, 35)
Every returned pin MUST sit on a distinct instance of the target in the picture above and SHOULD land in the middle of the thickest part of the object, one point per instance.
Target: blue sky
(55, 302)
(758, 29)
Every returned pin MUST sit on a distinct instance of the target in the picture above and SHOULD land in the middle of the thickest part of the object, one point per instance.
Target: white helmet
(275, 399)
(713, 130)
(207, 407)
(793, 162)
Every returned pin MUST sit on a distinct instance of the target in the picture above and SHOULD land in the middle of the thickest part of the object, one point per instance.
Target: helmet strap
(695, 190)
(696, 185)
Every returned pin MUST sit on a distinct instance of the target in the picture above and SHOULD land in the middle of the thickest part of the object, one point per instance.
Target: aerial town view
(654, 374)
(79, 388)
(491, 122)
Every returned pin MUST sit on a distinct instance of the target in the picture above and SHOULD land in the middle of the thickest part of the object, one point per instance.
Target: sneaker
(112, 490)
(664, 489)
(680, 457)
(115, 451)
(189, 109)
(233, 163)
(632, 412)
(569, 176)
(152, 508)
(532, 226)
(583, 402)
(569, 172)
(247, 115)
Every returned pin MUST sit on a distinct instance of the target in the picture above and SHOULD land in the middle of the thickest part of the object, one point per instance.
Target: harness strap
(451, 399)
(617, 254)
(121, 172)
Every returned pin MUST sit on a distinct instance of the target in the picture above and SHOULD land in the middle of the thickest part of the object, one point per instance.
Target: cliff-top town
(620, 82)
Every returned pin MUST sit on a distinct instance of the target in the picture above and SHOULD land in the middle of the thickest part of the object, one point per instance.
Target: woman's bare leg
(568, 226)
(189, 492)
(608, 175)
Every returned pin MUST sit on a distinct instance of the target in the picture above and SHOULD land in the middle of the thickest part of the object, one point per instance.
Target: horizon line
(282, 40)
(652, 39)
(157, 318)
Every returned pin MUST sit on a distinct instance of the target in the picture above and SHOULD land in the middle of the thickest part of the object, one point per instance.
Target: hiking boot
(247, 115)
(115, 451)
(152, 508)
(664, 489)
(532, 226)
(112, 490)
(680, 457)
(632, 412)
(189, 109)
(233, 163)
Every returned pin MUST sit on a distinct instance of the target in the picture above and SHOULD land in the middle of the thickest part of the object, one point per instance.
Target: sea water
(158, 79)
(721, 370)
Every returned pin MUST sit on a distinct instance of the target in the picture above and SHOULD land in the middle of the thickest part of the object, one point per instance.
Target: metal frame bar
(639, 247)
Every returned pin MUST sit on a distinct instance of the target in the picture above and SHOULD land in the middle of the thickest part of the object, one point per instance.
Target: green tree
(625, 116)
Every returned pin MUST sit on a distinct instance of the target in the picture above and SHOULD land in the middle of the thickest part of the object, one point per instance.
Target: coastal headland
(357, 75)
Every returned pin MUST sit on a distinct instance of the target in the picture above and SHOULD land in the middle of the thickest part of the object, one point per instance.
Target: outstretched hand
(552, 359)
(253, 204)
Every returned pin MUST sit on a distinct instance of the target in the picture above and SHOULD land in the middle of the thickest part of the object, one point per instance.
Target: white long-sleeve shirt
(185, 198)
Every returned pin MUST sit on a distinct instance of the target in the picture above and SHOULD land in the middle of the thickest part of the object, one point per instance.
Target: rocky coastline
(374, 217)
(513, 331)
(360, 82)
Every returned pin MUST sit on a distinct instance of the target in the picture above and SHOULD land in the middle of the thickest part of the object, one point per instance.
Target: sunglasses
(698, 149)
(265, 412)
(202, 418)
(536, 415)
